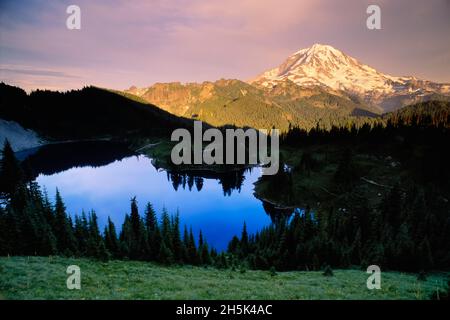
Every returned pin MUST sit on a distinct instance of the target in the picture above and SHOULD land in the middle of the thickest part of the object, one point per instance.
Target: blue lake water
(108, 188)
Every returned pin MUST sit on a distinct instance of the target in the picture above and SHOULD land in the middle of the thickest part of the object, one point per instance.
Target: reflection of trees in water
(230, 180)
(55, 158)
(184, 180)
(283, 215)
(277, 214)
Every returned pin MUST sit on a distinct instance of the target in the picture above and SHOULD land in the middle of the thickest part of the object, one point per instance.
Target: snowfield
(19, 137)
(325, 66)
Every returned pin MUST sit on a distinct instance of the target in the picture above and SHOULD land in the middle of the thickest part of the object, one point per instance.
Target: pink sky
(123, 43)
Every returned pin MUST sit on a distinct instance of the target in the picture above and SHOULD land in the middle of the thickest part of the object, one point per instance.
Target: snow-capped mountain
(325, 66)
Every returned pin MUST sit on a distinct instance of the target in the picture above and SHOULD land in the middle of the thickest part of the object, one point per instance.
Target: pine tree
(139, 249)
(126, 237)
(111, 241)
(4, 241)
(152, 231)
(205, 254)
(200, 239)
(192, 249)
(347, 172)
(243, 245)
(81, 233)
(95, 245)
(223, 263)
(11, 173)
(392, 208)
(176, 240)
(306, 164)
(151, 222)
(63, 229)
(166, 230)
(404, 248)
(48, 210)
(45, 241)
(135, 218)
(165, 254)
(233, 246)
(425, 256)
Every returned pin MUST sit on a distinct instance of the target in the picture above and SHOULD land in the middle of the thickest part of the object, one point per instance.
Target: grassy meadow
(45, 278)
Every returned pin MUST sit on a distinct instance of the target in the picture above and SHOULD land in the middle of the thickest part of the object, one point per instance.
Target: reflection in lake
(232, 180)
(54, 158)
(217, 204)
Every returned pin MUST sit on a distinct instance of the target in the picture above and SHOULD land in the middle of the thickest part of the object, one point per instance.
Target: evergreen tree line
(418, 136)
(415, 122)
(409, 231)
(31, 225)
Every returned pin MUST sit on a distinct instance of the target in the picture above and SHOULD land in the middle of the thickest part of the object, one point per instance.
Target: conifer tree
(177, 244)
(126, 237)
(81, 233)
(243, 245)
(11, 173)
(347, 171)
(166, 230)
(4, 241)
(135, 218)
(95, 245)
(165, 254)
(151, 222)
(63, 229)
(138, 244)
(153, 232)
(111, 241)
(192, 249)
(205, 254)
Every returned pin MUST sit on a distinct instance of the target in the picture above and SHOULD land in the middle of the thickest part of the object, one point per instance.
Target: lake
(104, 177)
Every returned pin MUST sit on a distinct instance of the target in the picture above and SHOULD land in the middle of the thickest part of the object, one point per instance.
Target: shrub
(328, 272)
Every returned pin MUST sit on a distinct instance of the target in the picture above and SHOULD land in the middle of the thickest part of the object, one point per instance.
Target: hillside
(234, 102)
(45, 278)
(82, 114)
(224, 102)
(429, 113)
(19, 137)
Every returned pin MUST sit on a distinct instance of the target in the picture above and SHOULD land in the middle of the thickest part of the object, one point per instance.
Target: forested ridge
(235, 103)
(402, 224)
(87, 113)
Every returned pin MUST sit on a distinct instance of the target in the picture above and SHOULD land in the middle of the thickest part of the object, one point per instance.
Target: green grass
(45, 278)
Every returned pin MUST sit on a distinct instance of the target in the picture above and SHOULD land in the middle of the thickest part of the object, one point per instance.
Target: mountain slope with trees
(87, 113)
(372, 194)
(233, 102)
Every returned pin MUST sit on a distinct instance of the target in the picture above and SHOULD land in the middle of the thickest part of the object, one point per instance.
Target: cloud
(122, 43)
(34, 72)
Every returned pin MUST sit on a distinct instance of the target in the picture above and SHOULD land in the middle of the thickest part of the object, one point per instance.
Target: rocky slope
(19, 137)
